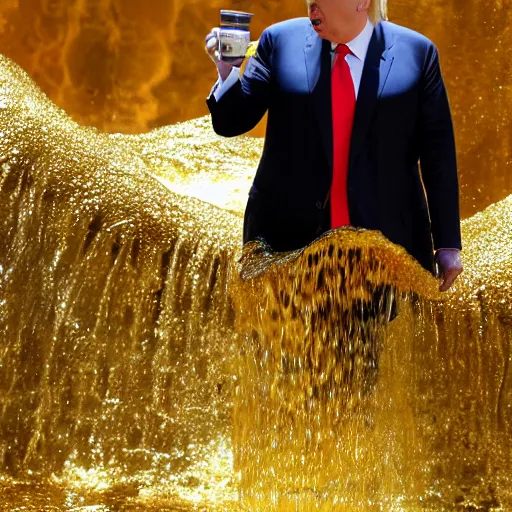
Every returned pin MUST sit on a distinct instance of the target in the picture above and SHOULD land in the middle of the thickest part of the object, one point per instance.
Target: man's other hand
(450, 266)
(211, 45)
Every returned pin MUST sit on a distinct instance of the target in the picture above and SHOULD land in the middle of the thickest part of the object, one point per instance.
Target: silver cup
(233, 35)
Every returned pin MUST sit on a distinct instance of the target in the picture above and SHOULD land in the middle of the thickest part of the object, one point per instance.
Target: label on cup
(233, 44)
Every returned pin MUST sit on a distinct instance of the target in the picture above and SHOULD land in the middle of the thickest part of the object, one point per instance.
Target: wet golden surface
(104, 380)
(130, 380)
(147, 364)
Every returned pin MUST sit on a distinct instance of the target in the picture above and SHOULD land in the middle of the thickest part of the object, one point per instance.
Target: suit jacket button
(319, 205)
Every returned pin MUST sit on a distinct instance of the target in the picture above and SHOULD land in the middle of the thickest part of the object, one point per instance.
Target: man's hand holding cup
(227, 45)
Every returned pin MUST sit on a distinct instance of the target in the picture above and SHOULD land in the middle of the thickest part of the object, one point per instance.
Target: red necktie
(343, 108)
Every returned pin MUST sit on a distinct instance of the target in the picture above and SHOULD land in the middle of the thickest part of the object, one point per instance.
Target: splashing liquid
(147, 364)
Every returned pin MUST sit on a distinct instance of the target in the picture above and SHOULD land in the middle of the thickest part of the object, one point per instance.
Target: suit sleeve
(438, 157)
(241, 108)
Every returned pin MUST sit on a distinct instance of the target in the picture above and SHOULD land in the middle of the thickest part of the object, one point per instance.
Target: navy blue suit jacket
(402, 118)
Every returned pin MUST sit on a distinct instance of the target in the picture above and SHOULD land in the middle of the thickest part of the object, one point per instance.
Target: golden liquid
(147, 364)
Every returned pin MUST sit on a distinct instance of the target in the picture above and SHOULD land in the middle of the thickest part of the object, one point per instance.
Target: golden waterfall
(148, 363)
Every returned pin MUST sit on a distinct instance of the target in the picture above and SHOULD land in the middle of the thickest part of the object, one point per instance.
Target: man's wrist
(222, 86)
(225, 69)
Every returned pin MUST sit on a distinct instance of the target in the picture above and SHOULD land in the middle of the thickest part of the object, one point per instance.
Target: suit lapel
(377, 65)
(317, 53)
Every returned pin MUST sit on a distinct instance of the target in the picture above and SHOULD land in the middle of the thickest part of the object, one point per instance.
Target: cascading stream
(147, 363)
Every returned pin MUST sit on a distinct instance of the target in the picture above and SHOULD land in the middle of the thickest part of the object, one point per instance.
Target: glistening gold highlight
(124, 307)
(106, 381)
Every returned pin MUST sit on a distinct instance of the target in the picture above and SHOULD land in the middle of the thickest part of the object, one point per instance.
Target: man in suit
(355, 106)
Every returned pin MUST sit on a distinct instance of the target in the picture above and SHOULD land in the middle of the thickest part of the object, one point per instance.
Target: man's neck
(349, 33)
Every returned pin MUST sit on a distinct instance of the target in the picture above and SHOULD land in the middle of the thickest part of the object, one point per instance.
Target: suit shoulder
(408, 36)
(288, 27)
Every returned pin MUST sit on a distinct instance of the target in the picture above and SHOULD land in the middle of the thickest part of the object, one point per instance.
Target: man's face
(328, 16)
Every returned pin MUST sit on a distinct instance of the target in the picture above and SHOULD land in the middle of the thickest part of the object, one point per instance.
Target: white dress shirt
(359, 48)
(355, 60)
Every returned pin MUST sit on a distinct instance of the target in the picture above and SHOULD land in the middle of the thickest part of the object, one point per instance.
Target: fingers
(211, 40)
(450, 266)
(211, 44)
(449, 278)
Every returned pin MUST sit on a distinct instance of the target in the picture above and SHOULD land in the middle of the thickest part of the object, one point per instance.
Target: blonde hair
(378, 11)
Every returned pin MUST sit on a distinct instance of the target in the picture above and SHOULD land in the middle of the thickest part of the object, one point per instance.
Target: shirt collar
(359, 45)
